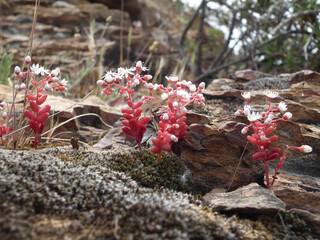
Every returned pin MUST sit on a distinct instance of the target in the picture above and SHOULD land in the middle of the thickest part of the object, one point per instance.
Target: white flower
(173, 78)
(287, 115)
(47, 87)
(184, 110)
(38, 70)
(174, 138)
(139, 64)
(202, 85)
(164, 96)
(177, 126)
(100, 82)
(3, 103)
(192, 88)
(254, 116)
(16, 87)
(244, 130)
(246, 95)
(23, 86)
(136, 82)
(27, 59)
(246, 110)
(17, 69)
(237, 113)
(283, 106)
(4, 114)
(55, 72)
(175, 104)
(270, 94)
(306, 149)
(148, 77)
(171, 93)
(165, 116)
(262, 137)
(55, 79)
(64, 82)
(182, 93)
(149, 86)
(268, 121)
(124, 71)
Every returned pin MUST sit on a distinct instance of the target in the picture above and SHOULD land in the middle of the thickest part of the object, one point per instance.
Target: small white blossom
(244, 130)
(246, 110)
(270, 94)
(3, 103)
(136, 82)
(175, 104)
(47, 87)
(124, 71)
(246, 95)
(262, 137)
(268, 121)
(202, 85)
(149, 86)
(254, 116)
(171, 94)
(4, 114)
(16, 87)
(100, 82)
(64, 82)
(288, 115)
(237, 113)
(182, 93)
(17, 69)
(184, 110)
(27, 59)
(192, 88)
(139, 64)
(55, 72)
(173, 78)
(306, 149)
(174, 138)
(148, 77)
(283, 106)
(165, 117)
(164, 96)
(23, 86)
(177, 126)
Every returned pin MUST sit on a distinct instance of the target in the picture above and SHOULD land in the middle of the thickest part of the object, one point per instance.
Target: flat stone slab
(251, 199)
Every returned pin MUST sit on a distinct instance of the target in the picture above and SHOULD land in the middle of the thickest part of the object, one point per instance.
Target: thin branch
(184, 33)
(198, 69)
(286, 21)
(245, 58)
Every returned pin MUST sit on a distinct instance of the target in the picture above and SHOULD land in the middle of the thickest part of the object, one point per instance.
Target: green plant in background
(5, 68)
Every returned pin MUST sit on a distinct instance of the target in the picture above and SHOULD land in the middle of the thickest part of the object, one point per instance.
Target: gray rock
(251, 199)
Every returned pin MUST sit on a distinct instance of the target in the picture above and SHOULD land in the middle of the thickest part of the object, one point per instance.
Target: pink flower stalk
(173, 127)
(4, 130)
(263, 125)
(44, 82)
(127, 80)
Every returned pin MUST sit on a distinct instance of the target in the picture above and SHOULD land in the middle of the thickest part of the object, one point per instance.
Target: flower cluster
(173, 127)
(177, 94)
(263, 125)
(41, 80)
(4, 129)
(126, 79)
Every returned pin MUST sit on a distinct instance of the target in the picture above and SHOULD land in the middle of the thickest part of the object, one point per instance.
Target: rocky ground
(100, 187)
(59, 194)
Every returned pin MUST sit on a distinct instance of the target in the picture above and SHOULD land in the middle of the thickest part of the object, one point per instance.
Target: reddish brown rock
(301, 195)
(250, 199)
(212, 152)
(308, 76)
(247, 75)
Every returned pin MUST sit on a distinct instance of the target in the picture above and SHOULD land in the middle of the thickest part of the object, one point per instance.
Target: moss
(141, 166)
